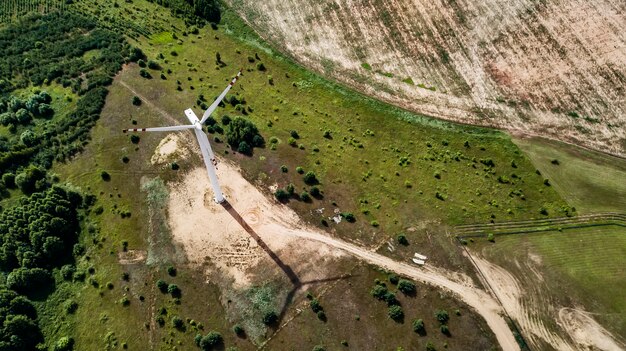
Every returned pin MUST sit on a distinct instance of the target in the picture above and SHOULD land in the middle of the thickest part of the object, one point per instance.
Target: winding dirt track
(482, 302)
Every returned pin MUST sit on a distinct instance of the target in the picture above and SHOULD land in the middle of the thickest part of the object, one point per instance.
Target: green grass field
(587, 180)
(580, 267)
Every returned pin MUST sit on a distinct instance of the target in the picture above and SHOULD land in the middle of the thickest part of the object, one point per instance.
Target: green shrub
(395, 312)
(444, 329)
(418, 326)
(162, 285)
(348, 216)
(318, 348)
(260, 66)
(315, 192)
(304, 196)
(240, 129)
(134, 138)
(491, 237)
(177, 322)
(244, 148)
(292, 142)
(171, 270)
(402, 240)
(145, 74)
(379, 291)
(211, 340)
(64, 343)
(407, 287)
(442, 316)
(281, 195)
(67, 271)
(174, 290)
(136, 101)
(315, 305)
(310, 178)
(238, 329)
(300, 170)
(393, 278)
(226, 120)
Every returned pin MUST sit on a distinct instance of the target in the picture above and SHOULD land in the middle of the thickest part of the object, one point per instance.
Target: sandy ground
(253, 230)
(169, 148)
(586, 331)
(583, 331)
(225, 236)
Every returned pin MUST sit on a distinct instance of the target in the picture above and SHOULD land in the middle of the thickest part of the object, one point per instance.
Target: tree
(444, 329)
(134, 139)
(442, 316)
(315, 305)
(207, 9)
(379, 291)
(244, 148)
(310, 178)
(9, 180)
(31, 179)
(240, 129)
(136, 101)
(63, 344)
(211, 340)
(395, 312)
(418, 326)
(281, 195)
(29, 280)
(177, 322)
(402, 240)
(174, 290)
(29, 138)
(406, 286)
(162, 285)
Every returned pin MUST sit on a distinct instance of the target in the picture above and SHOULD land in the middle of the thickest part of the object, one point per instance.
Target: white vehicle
(421, 257)
(419, 262)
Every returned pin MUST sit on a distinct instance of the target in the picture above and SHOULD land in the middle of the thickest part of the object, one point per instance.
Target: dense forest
(36, 236)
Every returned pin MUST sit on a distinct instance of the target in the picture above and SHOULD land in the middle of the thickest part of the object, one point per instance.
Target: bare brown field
(554, 68)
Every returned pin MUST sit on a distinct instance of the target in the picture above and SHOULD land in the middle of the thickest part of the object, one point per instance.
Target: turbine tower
(196, 124)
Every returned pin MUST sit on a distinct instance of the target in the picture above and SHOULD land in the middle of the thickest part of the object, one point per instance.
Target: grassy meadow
(588, 180)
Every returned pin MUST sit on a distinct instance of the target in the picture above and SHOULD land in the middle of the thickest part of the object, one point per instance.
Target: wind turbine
(205, 147)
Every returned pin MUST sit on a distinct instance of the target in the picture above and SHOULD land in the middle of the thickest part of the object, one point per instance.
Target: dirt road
(482, 302)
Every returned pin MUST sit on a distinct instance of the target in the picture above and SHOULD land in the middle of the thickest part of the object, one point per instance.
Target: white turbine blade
(219, 99)
(159, 129)
(205, 147)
